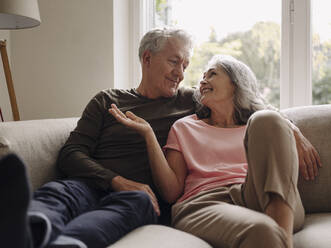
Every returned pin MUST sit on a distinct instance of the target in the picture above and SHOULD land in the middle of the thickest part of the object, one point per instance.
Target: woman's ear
(146, 58)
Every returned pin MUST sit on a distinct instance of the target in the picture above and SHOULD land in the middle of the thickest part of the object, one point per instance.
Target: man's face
(166, 68)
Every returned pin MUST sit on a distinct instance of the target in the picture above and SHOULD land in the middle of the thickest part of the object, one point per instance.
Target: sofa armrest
(315, 124)
(37, 143)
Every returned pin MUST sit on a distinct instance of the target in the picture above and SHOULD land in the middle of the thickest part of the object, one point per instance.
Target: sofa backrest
(37, 142)
(315, 124)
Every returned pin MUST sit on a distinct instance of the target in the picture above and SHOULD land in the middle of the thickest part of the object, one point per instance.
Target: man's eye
(173, 61)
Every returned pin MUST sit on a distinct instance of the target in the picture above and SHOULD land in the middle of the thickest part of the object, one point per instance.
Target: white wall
(58, 66)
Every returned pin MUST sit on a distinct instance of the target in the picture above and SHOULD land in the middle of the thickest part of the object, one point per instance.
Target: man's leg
(15, 197)
(57, 203)
(118, 214)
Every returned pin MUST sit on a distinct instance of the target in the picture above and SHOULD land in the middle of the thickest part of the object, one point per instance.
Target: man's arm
(309, 159)
(120, 183)
(75, 157)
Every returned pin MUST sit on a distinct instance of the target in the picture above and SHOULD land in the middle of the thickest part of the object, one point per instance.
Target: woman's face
(216, 88)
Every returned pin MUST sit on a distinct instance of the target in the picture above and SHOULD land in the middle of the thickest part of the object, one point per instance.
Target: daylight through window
(220, 27)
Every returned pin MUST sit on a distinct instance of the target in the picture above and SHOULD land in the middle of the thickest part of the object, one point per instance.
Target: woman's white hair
(155, 39)
(247, 98)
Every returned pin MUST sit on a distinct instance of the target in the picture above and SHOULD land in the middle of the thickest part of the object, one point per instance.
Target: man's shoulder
(185, 97)
(116, 92)
(186, 92)
(116, 95)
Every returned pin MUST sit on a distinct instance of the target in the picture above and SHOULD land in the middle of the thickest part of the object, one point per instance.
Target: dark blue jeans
(96, 218)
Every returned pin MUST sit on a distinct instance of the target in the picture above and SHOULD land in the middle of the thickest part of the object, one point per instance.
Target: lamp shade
(17, 14)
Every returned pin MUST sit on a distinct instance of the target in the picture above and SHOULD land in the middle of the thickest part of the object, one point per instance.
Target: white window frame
(130, 22)
(296, 66)
(132, 18)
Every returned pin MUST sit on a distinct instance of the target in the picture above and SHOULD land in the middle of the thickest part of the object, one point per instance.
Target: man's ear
(146, 58)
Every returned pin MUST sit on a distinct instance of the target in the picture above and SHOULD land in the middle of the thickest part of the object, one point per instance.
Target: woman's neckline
(204, 121)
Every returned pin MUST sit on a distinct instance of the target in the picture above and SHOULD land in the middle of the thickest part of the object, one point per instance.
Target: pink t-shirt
(214, 156)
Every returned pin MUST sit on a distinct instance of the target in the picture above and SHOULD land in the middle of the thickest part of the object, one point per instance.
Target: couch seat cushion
(152, 236)
(315, 233)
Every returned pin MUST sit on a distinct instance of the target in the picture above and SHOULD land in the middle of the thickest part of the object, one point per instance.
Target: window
(298, 49)
(321, 53)
(301, 45)
(220, 26)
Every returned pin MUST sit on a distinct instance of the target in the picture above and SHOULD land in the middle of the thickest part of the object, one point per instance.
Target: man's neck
(146, 92)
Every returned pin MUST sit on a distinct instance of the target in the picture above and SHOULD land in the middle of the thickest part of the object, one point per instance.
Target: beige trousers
(233, 216)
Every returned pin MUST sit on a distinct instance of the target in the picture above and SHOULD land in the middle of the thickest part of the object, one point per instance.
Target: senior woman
(233, 169)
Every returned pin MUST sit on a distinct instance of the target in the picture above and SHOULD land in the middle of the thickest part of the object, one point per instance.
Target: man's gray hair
(247, 98)
(154, 40)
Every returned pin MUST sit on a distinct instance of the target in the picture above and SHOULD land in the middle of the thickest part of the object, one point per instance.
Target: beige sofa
(38, 141)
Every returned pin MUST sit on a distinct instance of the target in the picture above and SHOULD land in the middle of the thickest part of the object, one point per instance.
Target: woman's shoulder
(186, 120)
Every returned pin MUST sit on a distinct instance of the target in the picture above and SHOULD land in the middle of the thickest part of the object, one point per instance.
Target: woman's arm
(309, 159)
(168, 172)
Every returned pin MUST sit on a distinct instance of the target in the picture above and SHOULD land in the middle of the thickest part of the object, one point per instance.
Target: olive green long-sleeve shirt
(100, 148)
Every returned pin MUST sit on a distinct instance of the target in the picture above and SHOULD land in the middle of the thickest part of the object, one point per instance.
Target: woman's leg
(213, 217)
(281, 212)
(271, 184)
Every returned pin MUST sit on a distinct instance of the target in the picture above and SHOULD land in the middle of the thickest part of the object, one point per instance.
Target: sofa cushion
(315, 233)
(152, 236)
(315, 124)
(37, 143)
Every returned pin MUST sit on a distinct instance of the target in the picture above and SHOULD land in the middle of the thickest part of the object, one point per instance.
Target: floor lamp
(15, 14)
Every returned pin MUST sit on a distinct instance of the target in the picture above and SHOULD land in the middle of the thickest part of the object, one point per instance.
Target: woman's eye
(173, 61)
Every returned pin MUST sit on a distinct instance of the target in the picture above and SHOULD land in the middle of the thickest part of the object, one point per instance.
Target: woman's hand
(309, 159)
(130, 120)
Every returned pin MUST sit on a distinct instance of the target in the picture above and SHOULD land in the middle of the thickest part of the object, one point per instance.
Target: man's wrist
(116, 182)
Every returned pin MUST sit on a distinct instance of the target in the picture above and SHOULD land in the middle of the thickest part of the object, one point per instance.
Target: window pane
(321, 61)
(247, 30)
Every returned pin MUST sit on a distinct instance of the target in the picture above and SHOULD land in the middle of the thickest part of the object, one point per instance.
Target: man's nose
(179, 72)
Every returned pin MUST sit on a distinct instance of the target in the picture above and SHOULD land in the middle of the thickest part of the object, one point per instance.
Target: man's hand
(309, 160)
(121, 184)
